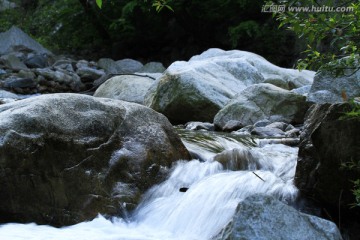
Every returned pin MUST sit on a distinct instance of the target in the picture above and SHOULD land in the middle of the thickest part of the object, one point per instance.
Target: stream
(226, 169)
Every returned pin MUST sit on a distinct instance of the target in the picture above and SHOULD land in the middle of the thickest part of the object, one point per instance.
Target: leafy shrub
(330, 35)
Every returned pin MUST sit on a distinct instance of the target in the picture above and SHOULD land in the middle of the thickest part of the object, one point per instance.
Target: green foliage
(9, 18)
(160, 4)
(143, 28)
(354, 165)
(356, 192)
(157, 4)
(353, 113)
(333, 43)
(330, 35)
(215, 23)
(246, 29)
(99, 3)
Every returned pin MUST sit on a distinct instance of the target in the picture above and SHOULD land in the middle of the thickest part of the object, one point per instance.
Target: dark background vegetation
(133, 29)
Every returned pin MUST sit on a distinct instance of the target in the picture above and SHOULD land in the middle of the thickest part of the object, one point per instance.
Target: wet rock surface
(264, 217)
(329, 143)
(64, 158)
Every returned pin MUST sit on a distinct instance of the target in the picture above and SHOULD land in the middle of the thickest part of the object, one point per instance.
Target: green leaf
(99, 3)
(170, 8)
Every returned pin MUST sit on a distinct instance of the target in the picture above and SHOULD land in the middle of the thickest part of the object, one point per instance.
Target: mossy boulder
(64, 158)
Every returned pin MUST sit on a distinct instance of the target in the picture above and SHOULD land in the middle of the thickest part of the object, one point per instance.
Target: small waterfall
(210, 203)
(227, 170)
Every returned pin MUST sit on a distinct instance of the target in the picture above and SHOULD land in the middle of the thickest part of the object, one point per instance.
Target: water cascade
(226, 170)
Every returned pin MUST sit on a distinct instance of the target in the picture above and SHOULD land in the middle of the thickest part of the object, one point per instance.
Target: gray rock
(13, 63)
(281, 83)
(198, 89)
(324, 96)
(2, 71)
(9, 95)
(280, 125)
(119, 67)
(245, 131)
(89, 73)
(125, 87)
(153, 67)
(302, 90)
(288, 78)
(293, 133)
(65, 64)
(232, 125)
(328, 88)
(26, 74)
(37, 61)
(327, 143)
(14, 82)
(67, 157)
(289, 127)
(16, 40)
(109, 66)
(262, 217)
(129, 65)
(262, 123)
(82, 63)
(200, 126)
(61, 76)
(267, 132)
(263, 101)
(5, 4)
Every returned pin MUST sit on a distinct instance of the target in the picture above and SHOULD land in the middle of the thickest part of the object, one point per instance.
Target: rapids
(225, 170)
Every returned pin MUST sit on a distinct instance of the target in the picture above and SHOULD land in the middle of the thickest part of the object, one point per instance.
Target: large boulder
(261, 217)
(329, 88)
(16, 40)
(327, 144)
(64, 158)
(196, 90)
(281, 77)
(263, 101)
(125, 87)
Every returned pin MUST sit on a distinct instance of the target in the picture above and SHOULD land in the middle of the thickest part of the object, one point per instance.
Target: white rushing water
(214, 191)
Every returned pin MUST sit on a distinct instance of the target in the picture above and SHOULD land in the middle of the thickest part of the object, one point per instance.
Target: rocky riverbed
(105, 126)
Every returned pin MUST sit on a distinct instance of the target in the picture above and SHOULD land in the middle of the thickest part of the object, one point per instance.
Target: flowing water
(225, 171)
